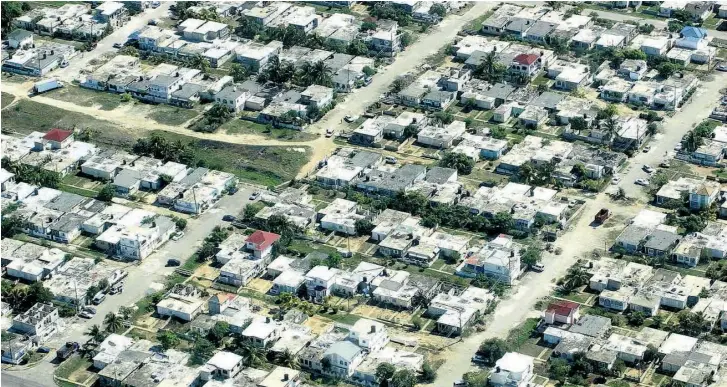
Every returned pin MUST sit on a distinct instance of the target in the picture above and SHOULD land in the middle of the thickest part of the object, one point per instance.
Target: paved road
(514, 310)
(120, 35)
(140, 278)
(659, 24)
(10, 380)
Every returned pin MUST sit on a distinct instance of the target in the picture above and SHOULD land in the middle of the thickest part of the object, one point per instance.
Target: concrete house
(40, 320)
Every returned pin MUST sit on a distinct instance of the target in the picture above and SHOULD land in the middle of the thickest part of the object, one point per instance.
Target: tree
(490, 69)
(577, 276)
(559, 369)
(443, 117)
(459, 161)
(578, 124)
(39, 293)
(656, 321)
(364, 226)
(692, 324)
(416, 321)
(492, 350)
(238, 72)
(405, 39)
(12, 225)
(334, 260)
(368, 26)
(385, 371)
(404, 378)
(636, 318)
(106, 193)
(556, 5)
(200, 63)
(667, 69)
(219, 331)
(357, 47)
(113, 322)
(168, 339)
(202, 351)
(369, 71)
(253, 356)
(531, 256)
(428, 373)
(501, 222)
(10, 10)
(438, 9)
(397, 85)
(287, 359)
(476, 379)
(97, 335)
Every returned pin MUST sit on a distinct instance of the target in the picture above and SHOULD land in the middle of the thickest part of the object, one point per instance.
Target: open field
(6, 99)
(239, 126)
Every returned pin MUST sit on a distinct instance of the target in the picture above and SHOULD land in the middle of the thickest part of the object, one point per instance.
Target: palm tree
(304, 74)
(320, 74)
(200, 63)
(526, 172)
(253, 356)
(577, 276)
(113, 322)
(97, 335)
(287, 359)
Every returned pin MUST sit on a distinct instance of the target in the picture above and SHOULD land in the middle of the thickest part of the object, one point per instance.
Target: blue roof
(693, 32)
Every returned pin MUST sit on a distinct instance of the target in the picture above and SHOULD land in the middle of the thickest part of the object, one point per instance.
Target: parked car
(722, 66)
(539, 267)
(647, 148)
(229, 218)
(478, 359)
(98, 298)
(89, 309)
(155, 4)
(43, 349)
(602, 215)
(648, 169)
(678, 146)
(255, 195)
(350, 119)
(641, 182)
(85, 314)
(177, 235)
(67, 350)
(117, 288)
(615, 180)
(329, 132)
(665, 164)
(232, 190)
(118, 45)
(173, 262)
(390, 160)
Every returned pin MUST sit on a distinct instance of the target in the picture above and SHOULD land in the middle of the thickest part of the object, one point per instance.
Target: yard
(76, 369)
(172, 115)
(81, 186)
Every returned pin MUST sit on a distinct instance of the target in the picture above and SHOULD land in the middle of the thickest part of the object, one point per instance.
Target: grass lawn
(78, 190)
(71, 365)
(476, 24)
(240, 126)
(520, 335)
(172, 115)
(265, 165)
(6, 99)
(712, 22)
(343, 318)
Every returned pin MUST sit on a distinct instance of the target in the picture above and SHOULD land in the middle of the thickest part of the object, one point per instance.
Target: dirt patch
(317, 325)
(374, 312)
(206, 271)
(259, 285)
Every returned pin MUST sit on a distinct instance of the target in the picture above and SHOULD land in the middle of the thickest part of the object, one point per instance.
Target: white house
(512, 370)
(369, 334)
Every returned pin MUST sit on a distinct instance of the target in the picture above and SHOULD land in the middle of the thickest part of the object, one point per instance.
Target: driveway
(151, 269)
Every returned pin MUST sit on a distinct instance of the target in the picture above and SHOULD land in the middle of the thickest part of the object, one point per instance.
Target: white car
(678, 146)
(615, 180)
(643, 182)
(177, 236)
(647, 149)
(648, 169)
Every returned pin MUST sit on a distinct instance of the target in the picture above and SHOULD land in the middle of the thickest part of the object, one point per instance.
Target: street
(152, 269)
(519, 306)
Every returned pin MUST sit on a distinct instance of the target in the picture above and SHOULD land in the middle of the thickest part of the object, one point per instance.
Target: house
(317, 96)
(703, 195)
(365, 374)
(368, 334)
(261, 243)
(40, 321)
(282, 377)
(319, 281)
(616, 90)
(498, 259)
(479, 147)
(109, 350)
(371, 131)
(656, 45)
(300, 216)
(441, 137)
(512, 370)
(262, 333)
(532, 116)
(389, 183)
(564, 312)
(571, 77)
(344, 357)
(20, 39)
(667, 8)
(455, 312)
(709, 242)
(238, 271)
(699, 10)
(182, 301)
(342, 168)
(289, 281)
(223, 365)
(525, 65)
(14, 351)
(633, 69)
(340, 216)
(39, 60)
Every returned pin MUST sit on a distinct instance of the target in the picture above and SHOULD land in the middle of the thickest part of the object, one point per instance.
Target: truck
(46, 85)
(602, 215)
(66, 351)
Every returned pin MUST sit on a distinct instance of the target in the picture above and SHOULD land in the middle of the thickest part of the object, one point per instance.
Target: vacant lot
(238, 126)
(266, 165)
(172, 115)
(86, 97)
(28, 116)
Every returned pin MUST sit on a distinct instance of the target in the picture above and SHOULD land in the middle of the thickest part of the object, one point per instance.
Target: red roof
(262, 239)
(58, 135)
(563, 308)
(526, 59)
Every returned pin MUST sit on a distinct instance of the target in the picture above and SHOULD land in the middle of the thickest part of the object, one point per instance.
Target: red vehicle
(602, 215)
